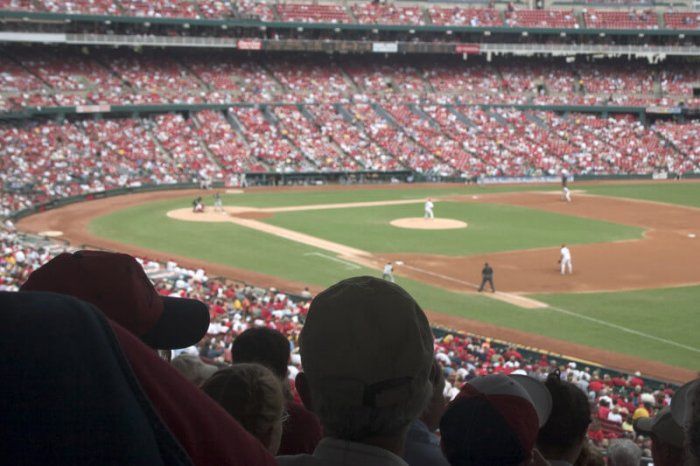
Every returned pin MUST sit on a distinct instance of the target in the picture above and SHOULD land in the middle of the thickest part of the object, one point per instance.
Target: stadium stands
(682, 20)
(387, 13)
(313, 13)
(564, 19)
(458, 16)
(42, 79)
(602, 19)
(94, 155)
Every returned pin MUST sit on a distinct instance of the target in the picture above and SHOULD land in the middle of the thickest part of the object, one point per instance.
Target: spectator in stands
(666, 435)
(117, 285)
(562, 438)
(86, 360)
(253, 396)
(495, 421)
(268, 347)
(367, 350)
(193, 368)
(643, 411)
(624, 452)
(685, 409)
(590, 456)
(422, 445)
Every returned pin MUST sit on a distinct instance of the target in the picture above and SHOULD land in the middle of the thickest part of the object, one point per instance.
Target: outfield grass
(667, 314)
(492, 228)
(666, 191)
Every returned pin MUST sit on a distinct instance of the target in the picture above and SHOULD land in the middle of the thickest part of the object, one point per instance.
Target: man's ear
(302, 385)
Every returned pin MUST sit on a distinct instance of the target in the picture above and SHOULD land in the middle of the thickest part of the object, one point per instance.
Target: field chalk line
(566, 312)
(350, 265)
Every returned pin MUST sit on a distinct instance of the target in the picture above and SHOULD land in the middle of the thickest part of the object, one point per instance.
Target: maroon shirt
(302, 431)
(209, 435)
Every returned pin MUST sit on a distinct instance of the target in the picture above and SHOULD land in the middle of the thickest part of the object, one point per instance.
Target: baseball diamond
(636, 245)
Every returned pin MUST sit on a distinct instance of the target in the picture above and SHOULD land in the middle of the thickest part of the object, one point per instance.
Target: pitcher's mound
(420, 223)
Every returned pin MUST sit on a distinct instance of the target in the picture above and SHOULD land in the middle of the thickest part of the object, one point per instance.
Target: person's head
(666, 435)
(264, 346)
(685, 409)
(118, 286)
(564, 434)
(436, 406)
(624, 452)
(494, 421)
(193, 368)
(252, 394)
(590, 456)
(366, 349)
(486, 264)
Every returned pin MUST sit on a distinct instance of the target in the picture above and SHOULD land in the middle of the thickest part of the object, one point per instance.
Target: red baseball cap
(495, 419)
(118, 286)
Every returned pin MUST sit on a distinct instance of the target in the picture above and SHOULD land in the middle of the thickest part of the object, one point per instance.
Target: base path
(598, 266)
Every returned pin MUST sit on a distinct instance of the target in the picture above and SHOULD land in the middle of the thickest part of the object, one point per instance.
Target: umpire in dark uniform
(487, 277)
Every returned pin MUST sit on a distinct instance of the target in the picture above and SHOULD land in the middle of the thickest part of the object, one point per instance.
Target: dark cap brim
(183, 323)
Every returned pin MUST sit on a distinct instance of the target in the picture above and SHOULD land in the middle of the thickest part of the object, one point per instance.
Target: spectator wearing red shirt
(603, 410)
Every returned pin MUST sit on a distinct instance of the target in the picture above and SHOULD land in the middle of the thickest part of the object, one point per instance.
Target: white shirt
(388, 268)
(565, 253)
(428, 205)
(334, 452)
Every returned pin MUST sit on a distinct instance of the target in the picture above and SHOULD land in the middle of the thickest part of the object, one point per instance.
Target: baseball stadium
(528, 172)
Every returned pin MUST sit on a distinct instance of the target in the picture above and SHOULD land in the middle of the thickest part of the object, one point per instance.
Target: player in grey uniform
(388, 272)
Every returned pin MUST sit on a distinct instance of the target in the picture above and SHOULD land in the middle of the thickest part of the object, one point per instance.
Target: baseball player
(565, 260)
(429, 209)
(388, 273)
(565, 193)
(218, 203)
(487, 277)
(197, 205)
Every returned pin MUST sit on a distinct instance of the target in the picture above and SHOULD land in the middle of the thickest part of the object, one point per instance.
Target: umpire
(487, 277)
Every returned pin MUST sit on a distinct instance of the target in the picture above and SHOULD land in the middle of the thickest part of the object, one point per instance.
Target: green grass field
(656, 324)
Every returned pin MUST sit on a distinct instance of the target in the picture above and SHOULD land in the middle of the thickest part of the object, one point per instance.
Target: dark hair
(264, 346)
(570, 417)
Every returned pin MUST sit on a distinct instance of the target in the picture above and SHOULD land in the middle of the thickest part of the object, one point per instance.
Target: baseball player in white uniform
(565, 260)
(566, 194)
(429, 209)
(388, 273)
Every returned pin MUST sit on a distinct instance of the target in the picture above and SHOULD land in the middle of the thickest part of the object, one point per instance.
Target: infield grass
(492, 227)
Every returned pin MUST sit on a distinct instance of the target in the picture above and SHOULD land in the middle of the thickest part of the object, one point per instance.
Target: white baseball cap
(366, 342)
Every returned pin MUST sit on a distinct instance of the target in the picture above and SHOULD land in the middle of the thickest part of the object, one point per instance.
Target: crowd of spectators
(46, 160)
(588, 409)
(384, 12)
(41, 78)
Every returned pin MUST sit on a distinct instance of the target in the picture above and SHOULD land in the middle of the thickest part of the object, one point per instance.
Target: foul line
(351, 266)
(624, 329)
(567, 312)
(513, 299)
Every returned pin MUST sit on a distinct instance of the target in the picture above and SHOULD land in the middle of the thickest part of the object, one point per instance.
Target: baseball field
(631, 303)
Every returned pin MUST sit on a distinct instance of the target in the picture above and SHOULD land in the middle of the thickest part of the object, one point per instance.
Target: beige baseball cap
(366, 342)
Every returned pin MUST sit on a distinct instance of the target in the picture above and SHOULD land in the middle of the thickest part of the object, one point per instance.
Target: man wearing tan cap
(367, 350)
